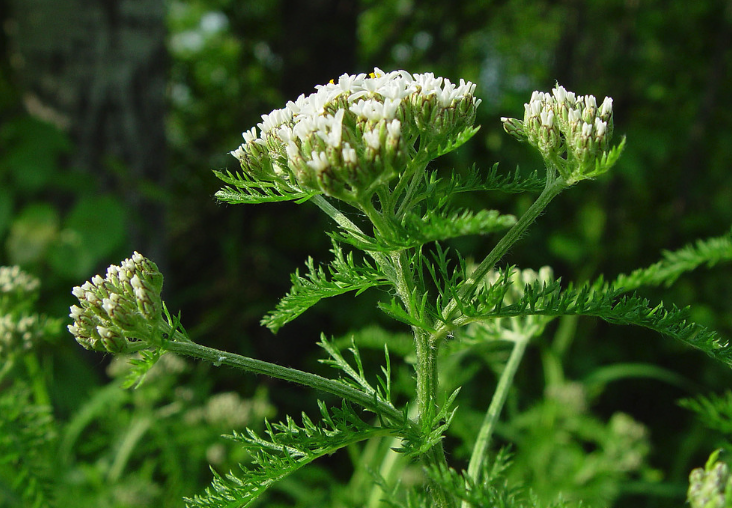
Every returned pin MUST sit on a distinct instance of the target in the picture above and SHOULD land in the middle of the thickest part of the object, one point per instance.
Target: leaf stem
(183, 346)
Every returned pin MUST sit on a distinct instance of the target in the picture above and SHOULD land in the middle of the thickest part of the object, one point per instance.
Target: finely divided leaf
(242, 189)
(611, 306)
(284, 449)
(340, 276)
(675, 263)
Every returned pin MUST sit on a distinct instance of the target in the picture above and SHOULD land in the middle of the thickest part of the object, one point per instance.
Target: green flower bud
(710, 487)
(122, 312)
(571, 133)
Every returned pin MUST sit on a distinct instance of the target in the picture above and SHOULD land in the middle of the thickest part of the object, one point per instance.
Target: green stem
(553, 187)
(425, 370)
(494, 410)
(183, 346)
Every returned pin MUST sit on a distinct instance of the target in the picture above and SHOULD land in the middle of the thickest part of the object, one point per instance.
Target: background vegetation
(668, 66)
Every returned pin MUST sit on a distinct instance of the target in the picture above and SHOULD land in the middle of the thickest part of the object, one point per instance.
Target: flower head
(122, 311)
(571, 133)
(348, 138)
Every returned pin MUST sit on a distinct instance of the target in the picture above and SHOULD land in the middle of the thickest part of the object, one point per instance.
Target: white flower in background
(513, 328)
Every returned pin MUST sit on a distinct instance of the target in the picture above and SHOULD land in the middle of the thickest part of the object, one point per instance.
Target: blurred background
(114, 113)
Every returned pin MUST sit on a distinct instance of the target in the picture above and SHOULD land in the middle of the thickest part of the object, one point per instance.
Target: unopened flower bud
(122, 312)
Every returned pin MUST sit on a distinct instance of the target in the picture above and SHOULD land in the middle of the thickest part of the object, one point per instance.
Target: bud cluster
(19, 327)
(16, 286)
(710, 487)
(571, 132)
(348, 138)
(514, 328)
(122, 312)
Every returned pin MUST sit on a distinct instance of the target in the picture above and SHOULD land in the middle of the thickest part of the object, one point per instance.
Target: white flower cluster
(514, 328)
(19, 329)
(19, 333)
(570, 130)
(15, 280)
(350, 136)
(120, 312)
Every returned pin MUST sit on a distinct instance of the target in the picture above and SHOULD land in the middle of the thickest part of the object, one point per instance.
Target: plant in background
(366, 142)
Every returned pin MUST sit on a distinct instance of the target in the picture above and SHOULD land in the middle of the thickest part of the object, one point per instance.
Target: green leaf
(456, 142)
(341, 275)
(243, 189)
(93, 230)
(675, 263)
(511, 182)
(599, 300)
(286, 448)
(436, 225)
(31, 233)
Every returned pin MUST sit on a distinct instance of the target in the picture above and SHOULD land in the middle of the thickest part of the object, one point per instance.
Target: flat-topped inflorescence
(121, 312)
(352, 136)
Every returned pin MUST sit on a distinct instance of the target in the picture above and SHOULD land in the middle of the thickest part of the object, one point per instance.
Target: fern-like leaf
(511, 182)
(715, 411)
(243, 189)
(437, 225)
(342, 275)
(673, 264)
(286, 448)
(456, 142)
(356, 377)
(609, 305)
(26, 453)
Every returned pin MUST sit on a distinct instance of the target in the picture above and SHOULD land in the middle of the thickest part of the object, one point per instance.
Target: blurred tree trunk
(97, 69)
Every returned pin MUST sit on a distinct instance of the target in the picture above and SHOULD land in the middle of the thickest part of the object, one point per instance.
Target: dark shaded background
(112, 115)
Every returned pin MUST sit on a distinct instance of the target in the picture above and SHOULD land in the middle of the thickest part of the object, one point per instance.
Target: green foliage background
(667, 65)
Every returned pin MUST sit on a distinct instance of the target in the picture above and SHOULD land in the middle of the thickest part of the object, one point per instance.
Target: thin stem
(182, 346)
(494, 410)
(553, 187)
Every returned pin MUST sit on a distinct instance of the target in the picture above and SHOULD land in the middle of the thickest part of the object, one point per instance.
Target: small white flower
(586, 129)
(372, 139)
(76, 312)
(547, 118)
(560, 93)
(394, 129)
(607, 107)
(78, 293)
(319, 161)
(600, 127)
(135, 282)
(590, 101)
(349, 154)
(574, 116)
(249, 135)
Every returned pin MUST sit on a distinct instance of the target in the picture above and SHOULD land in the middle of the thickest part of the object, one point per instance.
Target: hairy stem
(183, 346)
(494, 410)
(425, 369)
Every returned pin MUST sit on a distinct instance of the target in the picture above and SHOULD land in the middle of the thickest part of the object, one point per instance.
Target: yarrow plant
(367, 141)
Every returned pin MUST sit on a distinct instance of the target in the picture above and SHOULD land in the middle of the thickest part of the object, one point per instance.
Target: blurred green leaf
(94, 228)
(31, 233)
